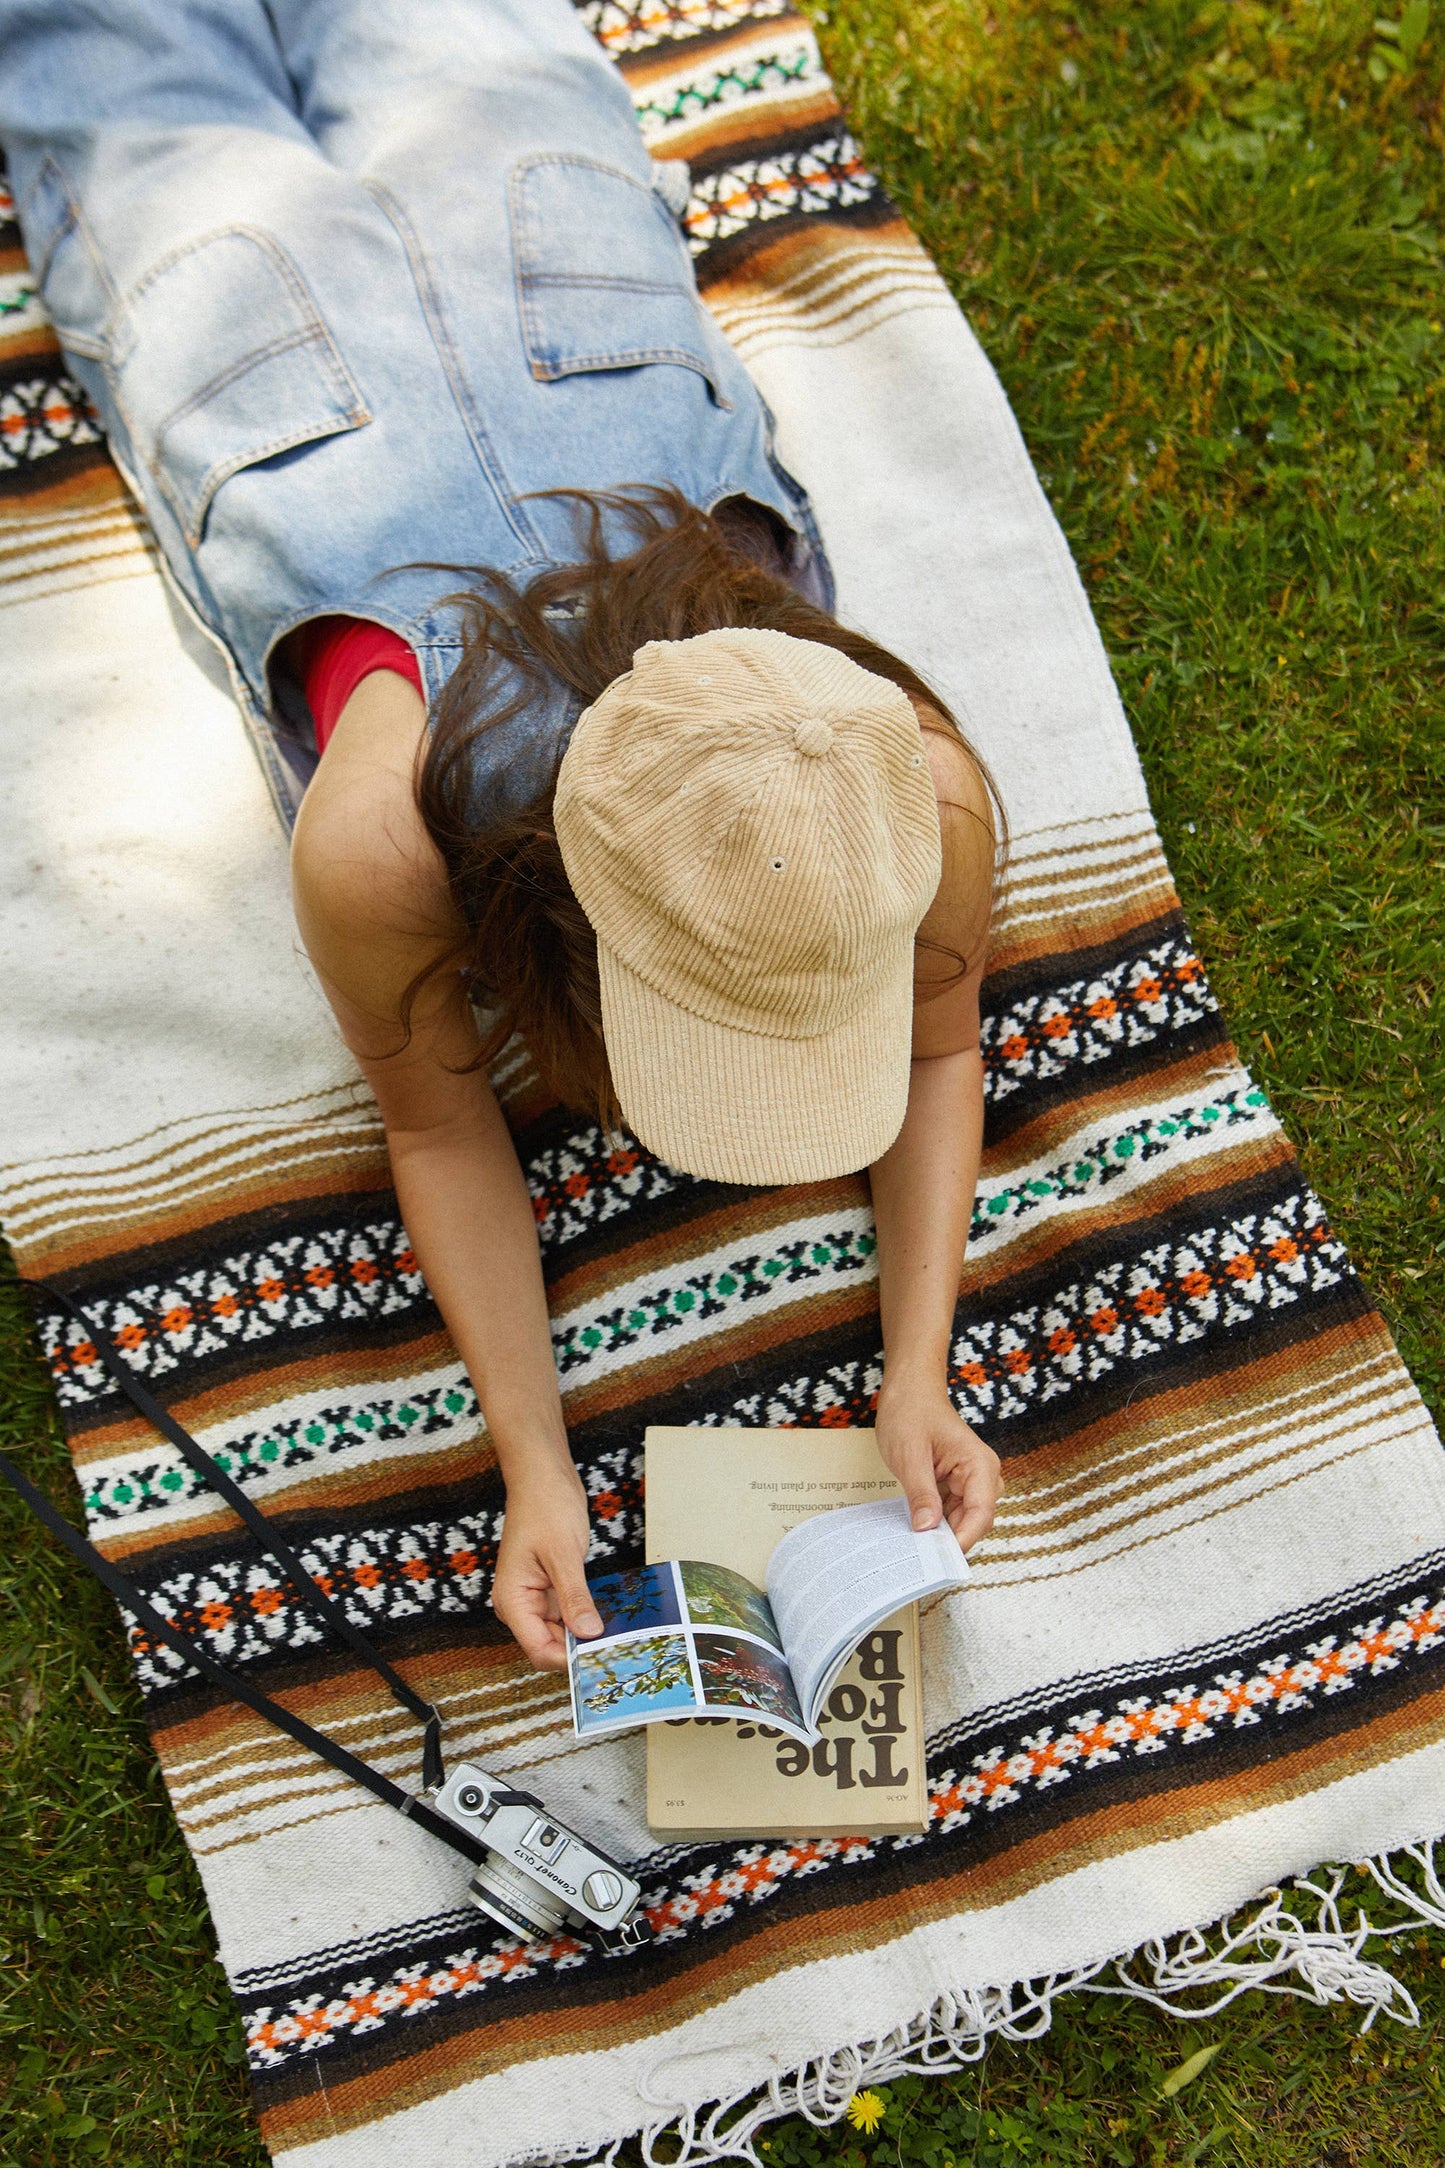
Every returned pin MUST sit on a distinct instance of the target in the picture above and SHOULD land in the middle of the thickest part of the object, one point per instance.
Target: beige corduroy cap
(749, 822)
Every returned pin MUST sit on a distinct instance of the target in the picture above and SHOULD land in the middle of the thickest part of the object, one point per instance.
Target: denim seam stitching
(223, 469)
(527, 536)
(81, 342)
(628, 357)
(266, 242)
(279, 260)
(571, 279)
(234, 371)
(349, 409)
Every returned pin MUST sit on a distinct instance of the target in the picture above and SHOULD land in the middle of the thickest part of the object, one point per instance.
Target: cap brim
(734, 1106)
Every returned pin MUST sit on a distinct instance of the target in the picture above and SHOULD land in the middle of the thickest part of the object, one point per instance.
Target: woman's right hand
(541, 1579)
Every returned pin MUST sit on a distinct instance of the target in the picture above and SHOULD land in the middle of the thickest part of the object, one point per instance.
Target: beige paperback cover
(727, 1497)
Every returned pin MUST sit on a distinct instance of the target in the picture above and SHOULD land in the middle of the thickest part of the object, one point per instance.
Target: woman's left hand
(946, 1470)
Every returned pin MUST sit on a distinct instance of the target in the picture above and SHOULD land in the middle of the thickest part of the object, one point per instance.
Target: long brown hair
(529, 957)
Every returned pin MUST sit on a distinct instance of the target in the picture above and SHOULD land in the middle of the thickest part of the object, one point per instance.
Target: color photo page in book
(680, 1638)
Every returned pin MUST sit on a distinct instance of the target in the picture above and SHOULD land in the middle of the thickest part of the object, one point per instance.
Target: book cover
(726, 1497)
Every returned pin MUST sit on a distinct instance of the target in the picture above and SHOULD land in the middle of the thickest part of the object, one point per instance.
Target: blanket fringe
(1292, 1941)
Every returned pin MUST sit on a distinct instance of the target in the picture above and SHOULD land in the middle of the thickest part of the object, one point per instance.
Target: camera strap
(230, 1682)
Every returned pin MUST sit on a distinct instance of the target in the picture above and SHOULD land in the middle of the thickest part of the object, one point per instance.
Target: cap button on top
(813, 737)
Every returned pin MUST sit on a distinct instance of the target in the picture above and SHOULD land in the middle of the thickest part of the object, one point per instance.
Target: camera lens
(516, 1900)
(470, 1798)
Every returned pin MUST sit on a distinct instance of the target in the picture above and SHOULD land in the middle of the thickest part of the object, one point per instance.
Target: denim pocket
(220, 359)
(604, 280)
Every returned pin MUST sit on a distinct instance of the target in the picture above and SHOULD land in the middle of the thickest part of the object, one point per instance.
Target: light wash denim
(348, 281)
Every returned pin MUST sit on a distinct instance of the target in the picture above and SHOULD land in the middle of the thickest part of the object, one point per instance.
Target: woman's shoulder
(369, 885)
(969, 825)
(952, 941)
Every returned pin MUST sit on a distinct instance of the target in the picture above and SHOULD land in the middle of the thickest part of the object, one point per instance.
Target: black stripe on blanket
(338, 1273)
(48, 429)
(1055, 1351)
(1204, 1716)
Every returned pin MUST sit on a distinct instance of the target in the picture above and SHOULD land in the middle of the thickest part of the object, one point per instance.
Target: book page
(680, 1638)
(837, 1575)
(730, 1495)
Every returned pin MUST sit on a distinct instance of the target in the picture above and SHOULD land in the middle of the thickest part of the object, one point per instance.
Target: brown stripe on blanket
(801, 117)
(814, 1320)
(729, 225)
(552, 2026)
(375, 1372)
(737, 1220)
(240, 1394)
(824, 287)
(1164, 1191)
(1132, 1530)
(424, 1481)
(1076, 862)
(1102, 1095)
(478, 1683)
(252, 1186)
(707, 50)
(1335, 1379)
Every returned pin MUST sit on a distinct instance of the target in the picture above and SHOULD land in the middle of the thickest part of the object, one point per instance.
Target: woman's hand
(541, 1580)
(946, 1470)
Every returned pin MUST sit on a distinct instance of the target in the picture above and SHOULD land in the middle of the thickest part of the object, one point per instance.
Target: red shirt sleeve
(334, 654)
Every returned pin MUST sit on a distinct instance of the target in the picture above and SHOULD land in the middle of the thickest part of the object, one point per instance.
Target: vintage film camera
(540, 1878)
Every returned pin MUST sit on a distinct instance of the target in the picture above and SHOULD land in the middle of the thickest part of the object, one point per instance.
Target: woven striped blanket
(1204, 1648)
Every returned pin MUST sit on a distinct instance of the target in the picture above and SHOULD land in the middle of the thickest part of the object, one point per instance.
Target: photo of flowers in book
(716, 1596)
(742, 1674)
(631, 1680)
(636, 1599)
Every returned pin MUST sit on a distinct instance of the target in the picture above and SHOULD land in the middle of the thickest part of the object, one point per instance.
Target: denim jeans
(348, 282)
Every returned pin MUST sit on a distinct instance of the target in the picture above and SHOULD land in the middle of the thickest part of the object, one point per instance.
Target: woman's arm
(373, 909)
(922, 1202)
(470, 1219)
(923, 1186)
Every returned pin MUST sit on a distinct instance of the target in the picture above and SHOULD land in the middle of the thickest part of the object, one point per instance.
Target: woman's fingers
(574, 1598)
(974, 1483)
(537, 1601)
(970, 1520)
(920, 1488)
(528, 1612)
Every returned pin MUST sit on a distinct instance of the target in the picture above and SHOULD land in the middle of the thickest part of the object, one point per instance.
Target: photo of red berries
(743, 1674)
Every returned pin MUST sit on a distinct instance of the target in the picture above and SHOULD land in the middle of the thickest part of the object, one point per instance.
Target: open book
(683, 1638)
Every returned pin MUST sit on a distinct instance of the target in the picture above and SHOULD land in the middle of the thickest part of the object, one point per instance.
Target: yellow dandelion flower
(865, 2112)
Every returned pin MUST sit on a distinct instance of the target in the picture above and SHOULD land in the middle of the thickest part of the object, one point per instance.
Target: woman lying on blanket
(372, 293)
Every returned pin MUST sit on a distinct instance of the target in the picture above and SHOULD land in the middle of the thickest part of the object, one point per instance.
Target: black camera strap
(230, 1682)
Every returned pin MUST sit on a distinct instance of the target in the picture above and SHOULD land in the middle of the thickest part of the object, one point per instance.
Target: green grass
(1199, 244)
